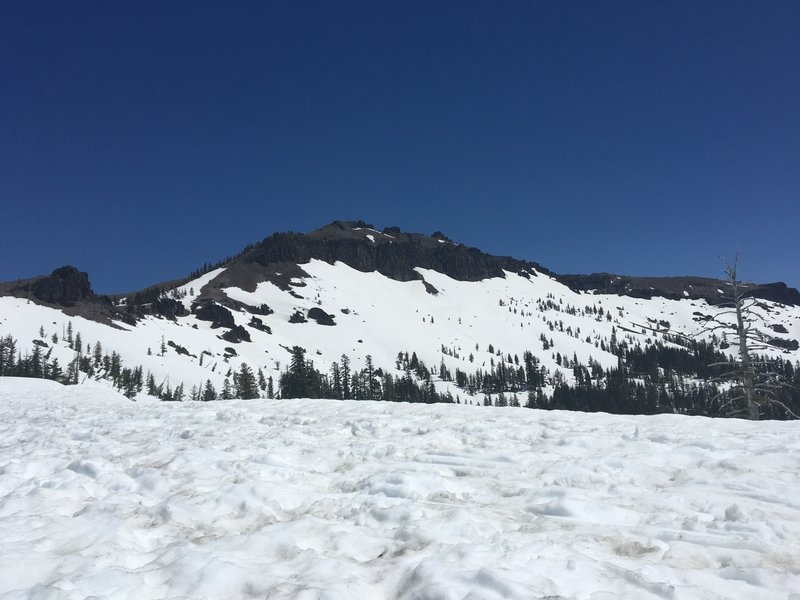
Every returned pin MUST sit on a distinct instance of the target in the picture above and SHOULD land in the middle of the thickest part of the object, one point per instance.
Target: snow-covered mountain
(350, 290)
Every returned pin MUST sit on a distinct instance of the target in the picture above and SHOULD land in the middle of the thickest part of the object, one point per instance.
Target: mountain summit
(350, 311)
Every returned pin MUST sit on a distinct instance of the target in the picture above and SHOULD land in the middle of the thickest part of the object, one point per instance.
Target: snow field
(331, 500)
(385, 317)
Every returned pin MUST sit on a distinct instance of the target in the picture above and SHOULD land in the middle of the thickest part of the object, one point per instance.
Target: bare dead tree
(747, 382)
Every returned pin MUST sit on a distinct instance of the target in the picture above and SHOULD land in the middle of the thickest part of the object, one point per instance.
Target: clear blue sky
(139, 140)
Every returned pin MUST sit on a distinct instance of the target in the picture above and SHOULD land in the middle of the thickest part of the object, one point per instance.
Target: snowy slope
(380, 316)
(369, 500)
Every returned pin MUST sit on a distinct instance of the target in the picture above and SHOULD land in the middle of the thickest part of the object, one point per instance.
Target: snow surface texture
(324, 499)
(380, 316)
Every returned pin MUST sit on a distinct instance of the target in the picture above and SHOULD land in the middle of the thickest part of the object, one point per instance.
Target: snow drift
(325, 499)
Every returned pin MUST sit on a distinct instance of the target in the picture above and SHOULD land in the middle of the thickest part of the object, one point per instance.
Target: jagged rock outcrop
(258, 324)
(169, 308)
(218, 315)
(391, 252)
(320, 316)
(236, 334)
(65, 286)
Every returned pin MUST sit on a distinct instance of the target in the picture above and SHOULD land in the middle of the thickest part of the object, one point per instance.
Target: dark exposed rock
(40, 343)
(778, 328)
(69, 289)
(297, 317)
(785, 344)
(676, 288)
(777, 292)
(430, 289)
(218, 315)
(320, 316)
(169, 308)
(64, 286)
(394, 254)
(230, 351)
(179, 349)
(262, 310)
(257, 323)
(236, 334)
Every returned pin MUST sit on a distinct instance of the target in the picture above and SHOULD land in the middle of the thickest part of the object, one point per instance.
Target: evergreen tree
(246, 384)
(373, 386)
(227, 390)
(152, 389)
(209, 393)
(345, 376)
(295, 385)
(8, 351)
(56, 373)
(36, 368)
(262, 382)
(336, 378)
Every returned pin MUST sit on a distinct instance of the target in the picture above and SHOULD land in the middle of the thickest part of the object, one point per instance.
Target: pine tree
(294, 383)
(262, 382)
(227, 390)
(54, 371)
(36, 368)
(209, 393)
(345, 375)
(152, 388)
(247, 387)
(373, 386)
(8, 350)
(336, 378)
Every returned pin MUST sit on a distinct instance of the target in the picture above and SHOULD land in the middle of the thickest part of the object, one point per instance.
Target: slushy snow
(367, 500)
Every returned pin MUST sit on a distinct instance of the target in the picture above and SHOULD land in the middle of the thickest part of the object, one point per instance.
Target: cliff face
(390, 252)
(66, 286)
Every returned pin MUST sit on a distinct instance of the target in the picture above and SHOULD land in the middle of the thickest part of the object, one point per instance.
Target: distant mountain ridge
(350, 311)
(391, 252)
